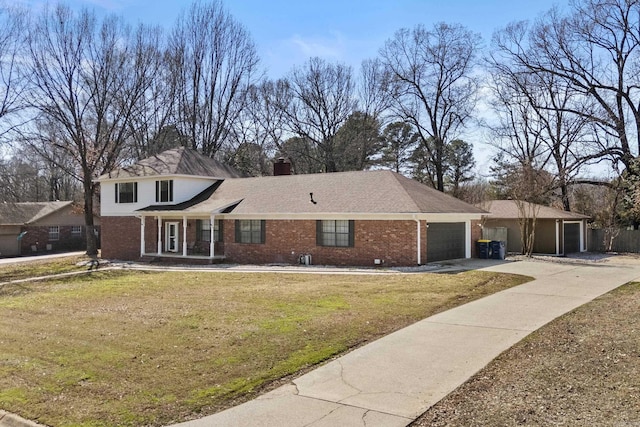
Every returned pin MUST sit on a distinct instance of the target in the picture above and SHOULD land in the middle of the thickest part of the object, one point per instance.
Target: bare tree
(321, 100)
(12, 82)
(538, 123)
(595, 51)
(214, 61)
(433, 86)
(87, 77)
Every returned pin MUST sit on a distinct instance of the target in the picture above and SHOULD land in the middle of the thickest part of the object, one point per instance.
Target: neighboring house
(31, 227)
(557, 232)
(167, 208)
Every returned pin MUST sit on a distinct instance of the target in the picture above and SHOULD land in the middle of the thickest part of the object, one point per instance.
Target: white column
(557, 237)
(159, 235)
(142, 243)
(212, 243)
(418, 243)
(184, 236)
(467, 238)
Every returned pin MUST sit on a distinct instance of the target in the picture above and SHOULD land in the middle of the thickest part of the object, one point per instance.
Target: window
(76, 230)
(203, 230)
(54, 233)
(335, 233)
(250, 231)
(164, 191)
(126, 192)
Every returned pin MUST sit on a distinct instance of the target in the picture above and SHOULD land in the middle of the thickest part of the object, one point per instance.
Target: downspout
(418, 240)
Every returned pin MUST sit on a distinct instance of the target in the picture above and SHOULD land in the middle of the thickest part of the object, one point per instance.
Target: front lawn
(135, 348)
(45, 267)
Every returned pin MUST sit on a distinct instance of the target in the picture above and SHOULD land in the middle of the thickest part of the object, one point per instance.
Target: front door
(171, 238)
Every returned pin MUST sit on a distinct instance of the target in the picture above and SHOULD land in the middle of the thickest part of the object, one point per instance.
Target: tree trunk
(89, 187)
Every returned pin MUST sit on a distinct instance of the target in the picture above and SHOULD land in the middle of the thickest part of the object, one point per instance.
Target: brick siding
(393, 242)
(121, 237)
(36, 240)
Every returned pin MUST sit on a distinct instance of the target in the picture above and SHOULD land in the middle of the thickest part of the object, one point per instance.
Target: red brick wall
(121, 237)
(394, 242)
(38, 237)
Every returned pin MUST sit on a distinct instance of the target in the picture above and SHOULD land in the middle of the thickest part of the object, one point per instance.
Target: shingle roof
(508, 209)
(363, 192)
(27, 212)
(177, 161)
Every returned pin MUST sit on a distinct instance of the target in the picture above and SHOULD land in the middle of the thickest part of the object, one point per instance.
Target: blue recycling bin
(498, 249)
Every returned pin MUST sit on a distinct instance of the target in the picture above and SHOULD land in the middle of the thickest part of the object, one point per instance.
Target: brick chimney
(282, 167)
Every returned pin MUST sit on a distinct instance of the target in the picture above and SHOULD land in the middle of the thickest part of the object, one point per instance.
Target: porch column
(184, 236)
(159, 235)
(418, 243)
(212, 243)
(557, 237)
(467, 238)
(142, 243)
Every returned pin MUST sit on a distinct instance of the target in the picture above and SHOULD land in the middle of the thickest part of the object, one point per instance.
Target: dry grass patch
(583, 369)
(24, 270)
(134, 348)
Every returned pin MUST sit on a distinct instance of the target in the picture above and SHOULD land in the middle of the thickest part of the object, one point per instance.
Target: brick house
(182, 205)
(33, 227)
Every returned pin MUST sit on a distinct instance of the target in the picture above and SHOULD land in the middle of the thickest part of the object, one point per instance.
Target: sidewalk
(393, 380)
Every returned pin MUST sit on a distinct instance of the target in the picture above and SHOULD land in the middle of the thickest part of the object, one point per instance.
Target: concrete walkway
(391, 381)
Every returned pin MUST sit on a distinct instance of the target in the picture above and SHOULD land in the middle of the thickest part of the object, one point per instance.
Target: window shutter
(171, 190)
(116, 192)
(135, 192)
(220, 230)
(318, 233)
(351, 233)
(237, 223)
(157, 191)
(263, 231)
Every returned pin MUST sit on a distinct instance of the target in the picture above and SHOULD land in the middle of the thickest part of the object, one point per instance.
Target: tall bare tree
(215, 61)
(539, 124)
(87, 77)
(12, 82)
(433, 88)
(322, 97)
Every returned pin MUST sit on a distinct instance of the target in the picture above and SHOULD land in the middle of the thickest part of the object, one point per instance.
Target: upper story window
(335, 233)
(250, 231)
(164, 191)
(126, 192)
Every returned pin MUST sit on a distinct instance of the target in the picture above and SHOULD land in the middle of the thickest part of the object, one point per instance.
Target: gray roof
(508, 209)
(28, 212)
(363, 192)
(177, 161)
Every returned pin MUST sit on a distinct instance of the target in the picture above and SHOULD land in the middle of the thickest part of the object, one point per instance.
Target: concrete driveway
(391, 381)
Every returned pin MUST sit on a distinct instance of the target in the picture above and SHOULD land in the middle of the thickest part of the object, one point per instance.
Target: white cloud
(331, 48)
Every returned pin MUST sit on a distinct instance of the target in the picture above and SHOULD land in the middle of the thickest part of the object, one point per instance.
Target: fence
(621, 240)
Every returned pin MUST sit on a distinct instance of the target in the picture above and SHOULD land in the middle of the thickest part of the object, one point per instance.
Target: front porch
(174, 239)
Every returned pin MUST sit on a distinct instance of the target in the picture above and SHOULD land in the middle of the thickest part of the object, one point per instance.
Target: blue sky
(288, 32)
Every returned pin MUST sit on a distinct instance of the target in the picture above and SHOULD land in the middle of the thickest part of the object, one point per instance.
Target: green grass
(134, 348)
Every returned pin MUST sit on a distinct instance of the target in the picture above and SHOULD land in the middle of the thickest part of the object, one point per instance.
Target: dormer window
(126, 192)
(164, 191)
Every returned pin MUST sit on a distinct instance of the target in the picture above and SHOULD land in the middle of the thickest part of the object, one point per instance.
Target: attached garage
(445, 240)
(9, 244)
